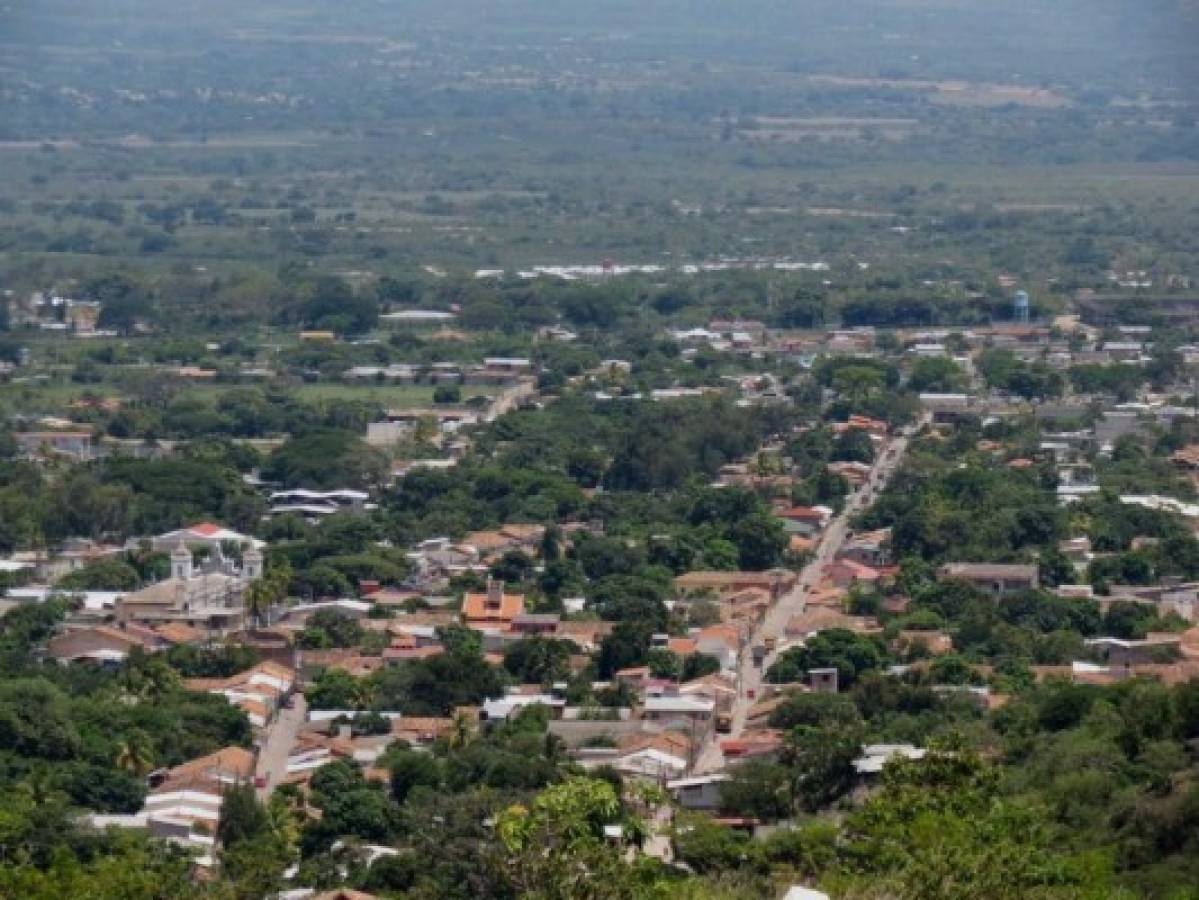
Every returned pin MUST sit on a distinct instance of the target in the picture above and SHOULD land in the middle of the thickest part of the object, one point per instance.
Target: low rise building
(776, 582)
(502, 708)
(530, 624)
(844, 573)
(869, 548)
(103, 644)
(184, 803)
(258, 691)
(722, 642)
(209, 600)
(1118, 652)
(318, 504)
(77, 445)
(680, 713)
(492, 609)
(875, 757)
(205, 537)
(995, 579)
(805, 520)
(702, 792)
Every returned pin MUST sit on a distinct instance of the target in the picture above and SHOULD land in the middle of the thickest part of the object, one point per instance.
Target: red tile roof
(681, 646)
(476, 609)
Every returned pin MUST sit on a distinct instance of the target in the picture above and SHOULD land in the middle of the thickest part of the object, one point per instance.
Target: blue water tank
(1022, 306)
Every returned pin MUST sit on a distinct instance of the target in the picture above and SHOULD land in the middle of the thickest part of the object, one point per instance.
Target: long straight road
(793, 603)
(277, 741)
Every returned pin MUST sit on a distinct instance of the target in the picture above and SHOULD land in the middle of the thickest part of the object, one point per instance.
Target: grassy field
(1043, 144)
(55, 397)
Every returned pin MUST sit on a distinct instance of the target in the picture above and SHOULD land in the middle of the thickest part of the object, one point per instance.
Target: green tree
(555, 847)
(663, 663)
(627, 645)
(821, 763)
(539, 660)
(410, 770)
(857, 383)
(850, 654)
(255, 866)
(447, 394)
(257, 598)
(331, 628)
(108, 575)
(243, 818)
(853, 445)
(939, 829)
(816, 711)
(136, 755)
(326, 458)
(335, 689)
(760, 542)
(937, 374)
(758, 789)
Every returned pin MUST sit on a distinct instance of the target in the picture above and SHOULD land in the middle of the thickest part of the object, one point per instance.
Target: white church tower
(251, 564)
(181, 562)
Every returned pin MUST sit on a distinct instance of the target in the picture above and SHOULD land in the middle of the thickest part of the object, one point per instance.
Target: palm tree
(551, 544)
(285, 819)
(257, 599)
(426, 430)
(278, 578)
(268, 591)
(552, 748)
(134, 755)
(462, 732)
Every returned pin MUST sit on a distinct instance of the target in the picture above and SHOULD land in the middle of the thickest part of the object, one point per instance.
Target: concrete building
(184, 803)
(702, 792)
(994, 579)
(824, 681)
(208, 600)
(679, 713)
(102, 644)
(493, 608)
(869, 548)
(77, 445)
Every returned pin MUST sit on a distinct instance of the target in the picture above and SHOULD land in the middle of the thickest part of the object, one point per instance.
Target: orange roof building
(814, 620)
(935, 642)
(800, 544)
(227, 765)
(775, 581)
(492, 609)
(681, 646)
(421, 730)
(845, 572)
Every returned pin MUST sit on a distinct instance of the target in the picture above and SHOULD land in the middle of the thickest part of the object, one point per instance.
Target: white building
(875, 756)
(185, 805)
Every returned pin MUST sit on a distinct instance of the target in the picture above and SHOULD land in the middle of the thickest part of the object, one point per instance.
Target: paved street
(278, 740)
(794, 603)
(659, 844)
(508, 399)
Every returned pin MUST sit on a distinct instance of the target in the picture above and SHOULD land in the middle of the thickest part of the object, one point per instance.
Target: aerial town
(564, 450)
(867, 546)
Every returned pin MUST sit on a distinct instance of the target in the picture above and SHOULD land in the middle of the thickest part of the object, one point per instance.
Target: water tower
(1021, 306)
